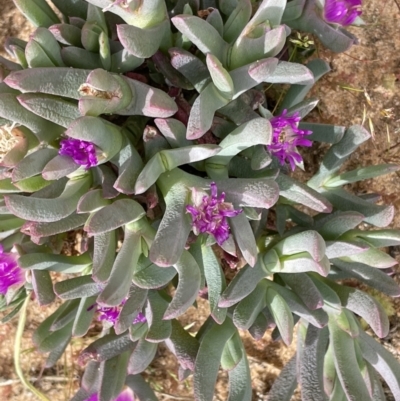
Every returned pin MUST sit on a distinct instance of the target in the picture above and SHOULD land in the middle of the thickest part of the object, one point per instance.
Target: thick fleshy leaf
(77, 287)
(38, 12)
(281, 313)
(336, 224)
(269, 10)
(382, 361)
(215, 282)
(112, 377)
(55, 339)
(302, 285)
(316, 317)
(219, 76)
(183, 346)
(92, 201)
(370, 276)
(297, 93)
(203, 35)
(142, 390)
(120, 279)
(108, 218)
(142, 43)
(58, 167)
(248, 76)
(202, 112)
(66, 34)
(337, 249)
(84, 316)
(123, 61)
(57, 263)
(248, 308)
(312, 364)
(254, 132)
(360, 174)
(166, 249)
(103, 255)
(148, 101)
(147, 275)
(302, 194)
(301, 263)
(48, 210)
(142, 356)
(237, 20)
(43, 329)
(188, 286)
(107, 347)
(376, 238)
(365, 306)
(345, 360)
(56, 227)
(291, 73)
(10, 108)
(284, 386)
(80, 58)
(54, 81)
(232, 353)
(244, 237)
(248, 49)
(169, 159)
(338, 154)
(159, 329)
(43, 50)
(260, 193)
(306, 241)
(208, 359)
(243, 283)
(43, 287)
(57, 110)
(323, 132)
(377, 215)
(191, 67)
(72, 8)
(240, 381)
(33, 164)
(131, 308)
(56, 353)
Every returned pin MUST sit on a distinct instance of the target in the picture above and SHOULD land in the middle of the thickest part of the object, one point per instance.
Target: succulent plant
(145, 124)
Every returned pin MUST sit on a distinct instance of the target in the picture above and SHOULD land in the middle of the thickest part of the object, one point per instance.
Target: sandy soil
(365, 80)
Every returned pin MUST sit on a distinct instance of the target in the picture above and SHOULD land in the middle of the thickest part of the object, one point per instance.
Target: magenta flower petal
(140, 318)
(342, 12)
(82, 152)
(111, 313)
(286, 137)
(10, 273)
(210, 216)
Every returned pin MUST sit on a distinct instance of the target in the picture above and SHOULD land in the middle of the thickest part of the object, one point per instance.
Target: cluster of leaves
(167, 97)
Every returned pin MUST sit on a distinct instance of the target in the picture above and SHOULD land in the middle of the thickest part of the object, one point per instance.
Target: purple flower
(140, 318)
(82, 152)
(111, 313)
(342, 12)
(210, 216)
(10, 273)
(126, 395)
(286, 136)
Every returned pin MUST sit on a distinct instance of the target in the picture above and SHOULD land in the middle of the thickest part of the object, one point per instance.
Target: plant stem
(17, 352)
